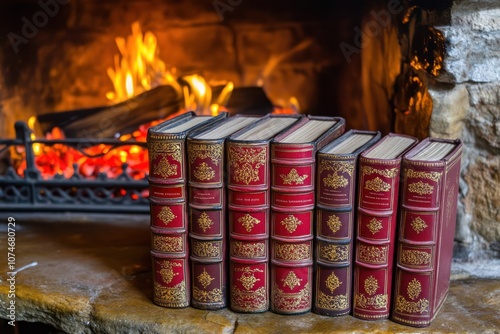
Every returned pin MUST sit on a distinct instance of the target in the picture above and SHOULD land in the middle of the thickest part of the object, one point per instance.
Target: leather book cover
(377, 205)
(206, 160)
(293, 161)
(335, 216)
(168, 206)
(427, 228)
(248, 152)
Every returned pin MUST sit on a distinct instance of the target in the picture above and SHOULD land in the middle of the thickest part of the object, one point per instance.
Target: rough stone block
(484, 117)
(449, 110)
(482, 203)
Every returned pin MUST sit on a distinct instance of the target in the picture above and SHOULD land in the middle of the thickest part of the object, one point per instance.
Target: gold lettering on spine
(334, 223)
(418, 225)
(291, 280)
(433, 176)
(293, 177)
(246, 163)
(390, 173)
(374, 225)
(421, 188)
(291, 223)
(166, 215)
(377, 185)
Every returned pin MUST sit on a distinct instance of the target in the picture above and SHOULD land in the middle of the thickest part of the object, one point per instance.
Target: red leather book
(167, 196)
(293, 162)
(248, 211)
(207, 211)
(335, 216)
(377, 205)
(431, 172)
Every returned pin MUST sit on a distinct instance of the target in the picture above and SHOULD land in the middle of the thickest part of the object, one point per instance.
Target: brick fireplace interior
(382, 65)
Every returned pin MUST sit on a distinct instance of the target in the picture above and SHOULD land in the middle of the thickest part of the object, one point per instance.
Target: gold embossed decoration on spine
(291, 223)
(415, 258)
(293, 177)
(248, 249)
(373, 254)
(204, 221)
(166, 215)
(246, 163)
(246, 299)
(414, 289)
(292, 252)
(377, 185)
(433, 176)
(248, 222)
(167, 244)
(374, 225)
(334, 223)
(334, 253)
(335, 180)
(418, 225)
(421, 188)
(390, 173)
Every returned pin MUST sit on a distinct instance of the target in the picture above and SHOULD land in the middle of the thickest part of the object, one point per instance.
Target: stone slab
(95, 277)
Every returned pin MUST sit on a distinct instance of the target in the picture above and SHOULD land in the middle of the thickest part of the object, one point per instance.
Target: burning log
(108, 121)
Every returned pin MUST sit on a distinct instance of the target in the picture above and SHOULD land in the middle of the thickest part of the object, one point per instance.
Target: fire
(137, 68)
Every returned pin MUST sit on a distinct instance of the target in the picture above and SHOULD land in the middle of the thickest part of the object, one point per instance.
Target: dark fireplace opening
(89, 77)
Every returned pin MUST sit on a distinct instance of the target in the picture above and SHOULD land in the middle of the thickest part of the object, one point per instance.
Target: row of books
(293, 214)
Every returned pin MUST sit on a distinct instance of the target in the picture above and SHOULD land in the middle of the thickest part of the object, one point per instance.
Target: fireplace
(382, 65)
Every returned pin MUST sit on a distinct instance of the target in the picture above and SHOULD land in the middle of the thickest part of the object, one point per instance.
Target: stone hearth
(93, 275)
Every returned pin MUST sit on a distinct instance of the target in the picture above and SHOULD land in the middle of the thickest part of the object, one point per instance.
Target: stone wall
(467, 105)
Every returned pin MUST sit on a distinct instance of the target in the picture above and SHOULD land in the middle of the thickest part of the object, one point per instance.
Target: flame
(138, 67)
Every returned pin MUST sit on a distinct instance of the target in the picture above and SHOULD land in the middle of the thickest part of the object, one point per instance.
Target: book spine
(375, 237)
(292, 216)
(169, 246)
(425, 245)
(207, 223)
(248, 218)
(335, 214)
